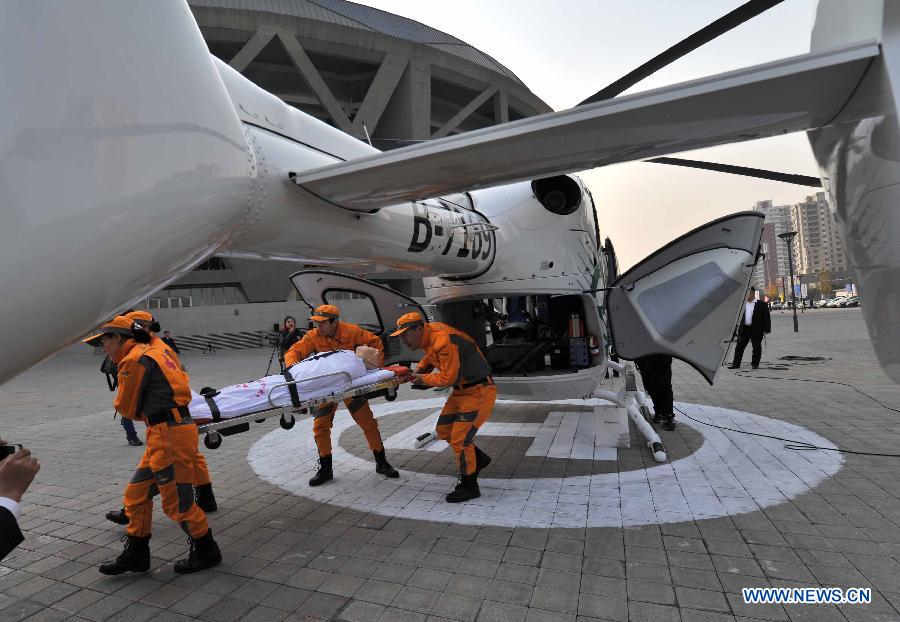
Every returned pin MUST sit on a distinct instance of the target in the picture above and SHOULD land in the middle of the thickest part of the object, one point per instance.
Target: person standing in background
(287, 337)
(167, 339)
(755, 324)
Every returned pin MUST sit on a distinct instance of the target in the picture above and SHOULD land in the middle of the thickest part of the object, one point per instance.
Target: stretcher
(374, 384)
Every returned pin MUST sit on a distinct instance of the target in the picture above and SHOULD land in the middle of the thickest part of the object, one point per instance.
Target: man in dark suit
(755, 322)
(16, 473)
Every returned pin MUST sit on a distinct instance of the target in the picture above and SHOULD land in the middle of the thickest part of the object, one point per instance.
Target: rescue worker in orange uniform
(453, 359)
(203, 492)
(330, 334)
(154, 389)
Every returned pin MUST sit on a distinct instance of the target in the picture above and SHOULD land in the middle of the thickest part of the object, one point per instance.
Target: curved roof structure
(368, 18)
(366, 71)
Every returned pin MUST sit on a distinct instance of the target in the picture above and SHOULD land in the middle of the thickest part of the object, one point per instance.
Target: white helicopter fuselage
(149, 166)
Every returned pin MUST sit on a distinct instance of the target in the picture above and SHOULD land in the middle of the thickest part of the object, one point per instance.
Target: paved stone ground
(288, 557)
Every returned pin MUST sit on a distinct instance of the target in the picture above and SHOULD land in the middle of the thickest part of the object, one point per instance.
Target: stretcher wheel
(212, 440)
(287, 424)
(391, 395)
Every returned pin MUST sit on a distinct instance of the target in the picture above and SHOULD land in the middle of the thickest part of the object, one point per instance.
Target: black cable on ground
(791, 361)
(793, 444)
(843, 384)
(793, 357)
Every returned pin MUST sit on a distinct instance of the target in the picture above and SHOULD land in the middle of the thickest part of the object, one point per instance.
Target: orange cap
(325, 312)
(144, 319)
(119, 325)
(410, 320)
(140, 316)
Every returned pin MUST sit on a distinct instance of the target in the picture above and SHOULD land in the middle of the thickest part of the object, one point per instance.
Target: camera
(8, 450)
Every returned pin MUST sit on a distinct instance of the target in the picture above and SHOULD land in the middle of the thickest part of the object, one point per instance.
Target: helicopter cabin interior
(531, 334)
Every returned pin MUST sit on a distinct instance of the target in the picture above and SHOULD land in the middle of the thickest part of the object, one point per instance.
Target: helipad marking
(729, 474)
(578, 435)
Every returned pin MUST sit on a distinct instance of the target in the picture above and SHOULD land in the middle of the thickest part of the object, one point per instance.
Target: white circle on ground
(730, 474)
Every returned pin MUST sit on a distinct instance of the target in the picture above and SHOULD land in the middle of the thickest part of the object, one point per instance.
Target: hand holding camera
(17, 470)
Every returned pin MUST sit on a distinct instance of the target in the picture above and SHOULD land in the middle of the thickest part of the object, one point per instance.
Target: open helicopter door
(685, 298)
(374, 307)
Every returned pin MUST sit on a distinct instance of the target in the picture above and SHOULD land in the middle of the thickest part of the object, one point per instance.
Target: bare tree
(825, 288)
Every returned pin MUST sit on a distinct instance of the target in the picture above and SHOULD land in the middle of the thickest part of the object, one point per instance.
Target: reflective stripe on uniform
(141, 475)
(324, 410)
(165, 475)
(185, 496)
(356, 403)
(446, 419)
(470, 436)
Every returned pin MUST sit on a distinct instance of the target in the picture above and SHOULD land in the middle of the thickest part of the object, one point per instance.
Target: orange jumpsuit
(458, 362)
(154, 389)
(347, 337)
(201, 470)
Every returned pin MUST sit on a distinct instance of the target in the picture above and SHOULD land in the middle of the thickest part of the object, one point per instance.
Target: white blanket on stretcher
(250, 397)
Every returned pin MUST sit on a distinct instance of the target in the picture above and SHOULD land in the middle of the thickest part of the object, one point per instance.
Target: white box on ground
(611, 427)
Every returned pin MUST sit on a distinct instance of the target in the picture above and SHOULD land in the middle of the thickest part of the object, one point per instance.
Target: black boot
(135, 557)
(204, 554)
(658, 418)
(466, 489)
(118, 517)
(669, 423)
(205, 498)
(324, 474)
(482, 460)
(382, 466)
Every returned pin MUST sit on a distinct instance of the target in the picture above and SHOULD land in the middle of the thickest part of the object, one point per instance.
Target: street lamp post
(788, 237)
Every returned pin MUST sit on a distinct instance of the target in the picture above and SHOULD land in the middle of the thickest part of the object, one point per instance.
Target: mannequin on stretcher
(316, 376)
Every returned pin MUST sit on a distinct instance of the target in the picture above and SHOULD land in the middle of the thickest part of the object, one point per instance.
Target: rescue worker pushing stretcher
(154, 389)
(329, 334)
(203, 492)
(453, 359)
